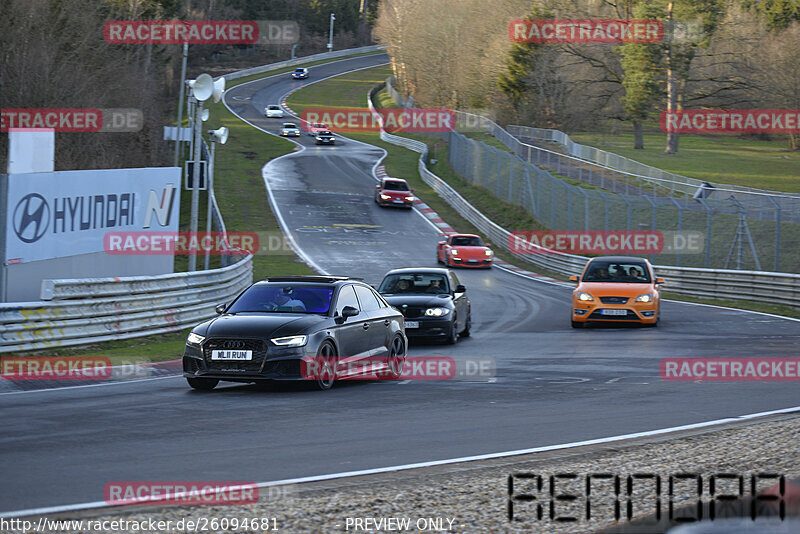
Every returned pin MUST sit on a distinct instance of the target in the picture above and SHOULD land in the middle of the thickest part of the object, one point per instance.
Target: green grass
(345, 91)
(155, 348)
(722, 158)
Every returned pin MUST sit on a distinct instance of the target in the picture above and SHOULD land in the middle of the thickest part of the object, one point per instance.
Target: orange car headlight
(583, 296)
(647, 297)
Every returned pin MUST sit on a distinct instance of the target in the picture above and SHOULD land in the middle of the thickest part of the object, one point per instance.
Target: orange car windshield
(616, 272)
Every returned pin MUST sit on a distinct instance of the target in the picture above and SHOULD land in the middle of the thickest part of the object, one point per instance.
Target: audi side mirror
(220, 309)
(461, 289)
(349, 311)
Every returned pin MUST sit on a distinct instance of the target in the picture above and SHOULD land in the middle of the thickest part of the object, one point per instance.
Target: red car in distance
(464, 250)
(394, 192)
(315, 128)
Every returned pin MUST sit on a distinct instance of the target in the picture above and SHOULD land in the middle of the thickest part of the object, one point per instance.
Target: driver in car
(435, 287)
(402, 286)
(285, 300)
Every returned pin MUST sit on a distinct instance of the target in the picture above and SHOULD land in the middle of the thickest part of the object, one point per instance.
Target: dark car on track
(432, 300)
(325, 137)
(283, 328)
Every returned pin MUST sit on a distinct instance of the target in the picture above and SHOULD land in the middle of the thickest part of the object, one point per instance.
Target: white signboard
(66, 213)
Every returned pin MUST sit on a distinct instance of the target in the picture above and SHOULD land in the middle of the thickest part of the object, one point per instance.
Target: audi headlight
(195, 339)
(585, 297)
(290, 341)
(647, 297)
(385, 197)
(436, 312)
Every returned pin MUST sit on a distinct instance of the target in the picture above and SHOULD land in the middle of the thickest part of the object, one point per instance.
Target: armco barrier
(91, 310)
(760, 286)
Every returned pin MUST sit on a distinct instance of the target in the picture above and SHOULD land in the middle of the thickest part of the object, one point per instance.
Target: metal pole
(209, 190)
(3, 267)
(198, 122)
(330, 36)
(180, 101)
(190, 103)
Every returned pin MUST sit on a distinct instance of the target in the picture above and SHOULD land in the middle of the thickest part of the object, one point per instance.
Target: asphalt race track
(552, 384)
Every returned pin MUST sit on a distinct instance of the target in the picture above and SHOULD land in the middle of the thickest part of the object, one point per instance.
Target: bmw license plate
(235, 355)
(614, 312)
(412, 324)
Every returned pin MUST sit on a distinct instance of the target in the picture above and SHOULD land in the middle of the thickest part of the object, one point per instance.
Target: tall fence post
(777, 232)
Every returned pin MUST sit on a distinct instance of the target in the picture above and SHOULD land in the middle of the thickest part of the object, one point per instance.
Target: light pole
(202, 89)
(217, 136)
(330, 37)
(180, 100)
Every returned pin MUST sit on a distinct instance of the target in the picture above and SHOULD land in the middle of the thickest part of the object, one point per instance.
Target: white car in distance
(273, 112)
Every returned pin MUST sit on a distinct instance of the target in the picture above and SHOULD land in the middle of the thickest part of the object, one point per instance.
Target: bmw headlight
(319, 138)
(436, 312)
(290, 341)
(585, 297)
(410, 199)
(647, 297)
(385, 197)
(195, 339)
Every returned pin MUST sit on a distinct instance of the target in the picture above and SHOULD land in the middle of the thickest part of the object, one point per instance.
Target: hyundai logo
(31, 217)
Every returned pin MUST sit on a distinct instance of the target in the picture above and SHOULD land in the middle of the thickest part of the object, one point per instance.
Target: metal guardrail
(302, 60)
(759, 286)
(101, 309)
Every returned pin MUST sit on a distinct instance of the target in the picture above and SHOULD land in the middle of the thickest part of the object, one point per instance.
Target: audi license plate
(614, 312)
(231, 355)
(412, 324)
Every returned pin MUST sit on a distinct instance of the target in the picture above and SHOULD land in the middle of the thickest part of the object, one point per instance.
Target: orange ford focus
(616, 289)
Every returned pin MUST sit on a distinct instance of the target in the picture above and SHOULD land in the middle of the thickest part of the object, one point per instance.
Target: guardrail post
(630, 210)
(777, 232)
(569, 206)
(680, 227)
(605, 197)
(708, 231)
(511, 165)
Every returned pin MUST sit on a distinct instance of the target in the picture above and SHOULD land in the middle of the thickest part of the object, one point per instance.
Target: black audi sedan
(432, 300)
(319, 328)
